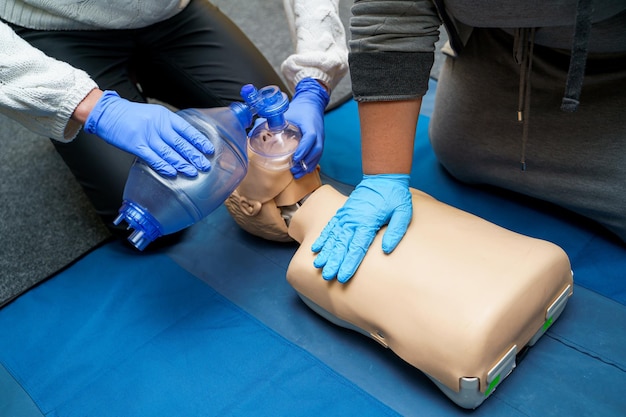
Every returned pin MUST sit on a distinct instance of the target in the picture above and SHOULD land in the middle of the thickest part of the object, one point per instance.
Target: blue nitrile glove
(164, 140)
(376, 201)
(306, 111)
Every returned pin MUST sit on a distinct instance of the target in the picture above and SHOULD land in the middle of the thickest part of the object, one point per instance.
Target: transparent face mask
(273, 149)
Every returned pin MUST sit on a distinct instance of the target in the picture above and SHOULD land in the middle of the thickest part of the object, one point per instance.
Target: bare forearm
(387, 135)
(84, 107)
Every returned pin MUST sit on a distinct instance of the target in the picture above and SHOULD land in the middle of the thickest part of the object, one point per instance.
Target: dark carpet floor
(47, 222)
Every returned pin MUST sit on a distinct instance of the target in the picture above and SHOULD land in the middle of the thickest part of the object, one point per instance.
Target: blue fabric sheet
(211, 327)
(128, 334)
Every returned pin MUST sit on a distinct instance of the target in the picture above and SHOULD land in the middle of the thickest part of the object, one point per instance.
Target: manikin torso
(453, 298)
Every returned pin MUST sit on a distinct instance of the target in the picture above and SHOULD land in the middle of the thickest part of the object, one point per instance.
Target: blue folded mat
(211, 327)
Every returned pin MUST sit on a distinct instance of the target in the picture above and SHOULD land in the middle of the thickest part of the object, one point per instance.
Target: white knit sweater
(319, 39)
(41, 93)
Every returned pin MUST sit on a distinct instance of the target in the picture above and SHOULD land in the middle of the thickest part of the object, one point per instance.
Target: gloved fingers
(190, 154)
(305, 147)
(306, 111)
(157, 163)
(182, 147)
(326, 251)
(336, 254)
(192, 135)
(399, 222)
(359, 245)
(324, 235)
(300, 166)
(307, 156)
(322, 256)
(169, 155)
(299, 170)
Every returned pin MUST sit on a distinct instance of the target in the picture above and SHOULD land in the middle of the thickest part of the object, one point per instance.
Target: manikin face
(264, 201)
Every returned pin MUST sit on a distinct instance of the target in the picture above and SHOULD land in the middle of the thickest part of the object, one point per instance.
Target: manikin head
(266, 198)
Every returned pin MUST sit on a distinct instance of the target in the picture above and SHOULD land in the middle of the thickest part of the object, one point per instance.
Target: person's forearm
(387, 135)
(38, 91)
(84, 107)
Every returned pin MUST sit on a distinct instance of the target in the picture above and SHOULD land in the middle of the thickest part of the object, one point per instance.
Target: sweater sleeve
(392, 48)
(38, 91)
(320, 42)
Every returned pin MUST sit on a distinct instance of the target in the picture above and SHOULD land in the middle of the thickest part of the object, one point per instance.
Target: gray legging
(197, 58)
(575, 160)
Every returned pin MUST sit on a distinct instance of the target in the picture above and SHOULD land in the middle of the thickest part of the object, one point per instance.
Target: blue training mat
(211, 327)
(128, 334)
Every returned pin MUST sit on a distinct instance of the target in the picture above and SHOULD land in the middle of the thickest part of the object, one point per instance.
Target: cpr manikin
(457, 299)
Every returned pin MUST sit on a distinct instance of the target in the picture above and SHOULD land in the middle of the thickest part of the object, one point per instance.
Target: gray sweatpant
(575, 160)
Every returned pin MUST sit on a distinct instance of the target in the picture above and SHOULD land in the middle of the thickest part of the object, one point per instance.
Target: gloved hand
(376, 201)
(164, 140)
(306, 111)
